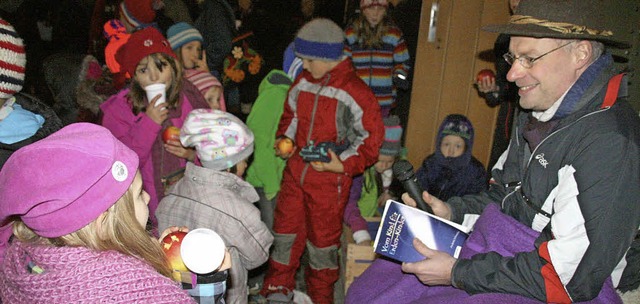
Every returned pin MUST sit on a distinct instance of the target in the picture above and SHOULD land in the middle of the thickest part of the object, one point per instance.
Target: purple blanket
(384, 282)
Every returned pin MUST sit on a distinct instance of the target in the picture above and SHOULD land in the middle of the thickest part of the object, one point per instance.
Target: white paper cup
(154, 90)
(202, 250)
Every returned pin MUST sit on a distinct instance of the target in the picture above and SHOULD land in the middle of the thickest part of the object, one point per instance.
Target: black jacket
(51, 124)
(581, 188)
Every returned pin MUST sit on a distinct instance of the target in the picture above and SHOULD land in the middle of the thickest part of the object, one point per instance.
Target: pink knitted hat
(369, 3)
(64, 182)
(204, 81)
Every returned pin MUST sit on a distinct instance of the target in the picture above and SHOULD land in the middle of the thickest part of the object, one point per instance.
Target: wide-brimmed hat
(563, 19)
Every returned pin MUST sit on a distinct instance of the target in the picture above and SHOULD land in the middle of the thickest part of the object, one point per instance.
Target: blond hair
(137, 93)
(371, 37)
(116, 229)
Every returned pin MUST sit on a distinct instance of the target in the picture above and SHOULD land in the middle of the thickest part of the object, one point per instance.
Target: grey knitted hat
(320, 39)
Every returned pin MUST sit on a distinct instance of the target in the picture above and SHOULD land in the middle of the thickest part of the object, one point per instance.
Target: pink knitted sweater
(78, 274)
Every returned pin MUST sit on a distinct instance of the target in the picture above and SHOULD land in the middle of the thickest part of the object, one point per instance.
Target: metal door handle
(432, 22)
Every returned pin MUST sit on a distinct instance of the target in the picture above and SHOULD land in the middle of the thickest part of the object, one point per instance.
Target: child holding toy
(327, 104)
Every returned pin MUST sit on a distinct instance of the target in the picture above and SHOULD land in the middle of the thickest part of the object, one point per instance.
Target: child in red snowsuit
(327, 103)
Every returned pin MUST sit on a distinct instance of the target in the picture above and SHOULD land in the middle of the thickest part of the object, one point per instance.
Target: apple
(485, 73)
(171, 247)
(171, 133)
(285, 145)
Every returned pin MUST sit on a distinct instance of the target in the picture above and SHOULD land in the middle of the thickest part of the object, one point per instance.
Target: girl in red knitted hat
(139, 121)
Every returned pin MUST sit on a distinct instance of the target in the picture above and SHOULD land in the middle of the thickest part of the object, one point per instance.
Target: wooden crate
(359, 257)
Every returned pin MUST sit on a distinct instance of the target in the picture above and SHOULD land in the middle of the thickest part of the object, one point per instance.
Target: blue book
(400, 224)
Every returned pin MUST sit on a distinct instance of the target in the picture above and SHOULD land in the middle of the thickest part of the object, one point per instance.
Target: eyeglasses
(526, 61)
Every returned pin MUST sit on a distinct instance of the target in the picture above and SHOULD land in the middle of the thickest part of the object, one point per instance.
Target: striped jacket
(378, 66)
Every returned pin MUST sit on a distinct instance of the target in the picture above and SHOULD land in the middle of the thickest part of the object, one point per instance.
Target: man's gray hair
(597, 48)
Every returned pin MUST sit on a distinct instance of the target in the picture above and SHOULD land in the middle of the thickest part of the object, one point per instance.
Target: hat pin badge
(119, 171)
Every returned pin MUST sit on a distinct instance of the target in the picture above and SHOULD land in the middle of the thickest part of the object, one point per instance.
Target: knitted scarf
(534, 130)
(46, 274)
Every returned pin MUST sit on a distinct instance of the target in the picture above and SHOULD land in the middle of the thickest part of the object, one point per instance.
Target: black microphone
(403, 171)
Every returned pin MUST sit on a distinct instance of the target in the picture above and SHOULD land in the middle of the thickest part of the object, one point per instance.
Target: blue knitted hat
(182, 33)
(459, 125)
(320, 39)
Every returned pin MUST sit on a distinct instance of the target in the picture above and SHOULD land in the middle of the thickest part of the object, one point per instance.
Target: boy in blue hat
(328, 103)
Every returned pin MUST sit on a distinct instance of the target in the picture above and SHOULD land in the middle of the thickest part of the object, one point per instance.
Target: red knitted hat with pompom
(138, 12)
(141, 44)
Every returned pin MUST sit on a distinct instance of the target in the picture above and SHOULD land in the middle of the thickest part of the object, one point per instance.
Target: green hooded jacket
(266, 169)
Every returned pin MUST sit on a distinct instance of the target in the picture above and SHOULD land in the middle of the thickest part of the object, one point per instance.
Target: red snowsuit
(310, 205)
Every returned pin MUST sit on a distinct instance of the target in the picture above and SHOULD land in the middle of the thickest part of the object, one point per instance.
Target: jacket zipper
(526, 169)
(313, 118)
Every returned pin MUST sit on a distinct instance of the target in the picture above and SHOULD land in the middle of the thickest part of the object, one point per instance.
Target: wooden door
(445, 70)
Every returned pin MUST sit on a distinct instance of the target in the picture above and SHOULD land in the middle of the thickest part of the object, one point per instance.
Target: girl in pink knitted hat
(209, 86)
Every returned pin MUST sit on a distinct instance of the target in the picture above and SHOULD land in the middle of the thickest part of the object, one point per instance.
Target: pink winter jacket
(139, 133)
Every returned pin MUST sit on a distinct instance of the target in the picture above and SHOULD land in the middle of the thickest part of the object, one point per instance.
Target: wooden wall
(445, 72)
(445, 69)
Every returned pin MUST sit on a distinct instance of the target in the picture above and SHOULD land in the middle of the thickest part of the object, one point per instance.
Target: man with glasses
(571, 174)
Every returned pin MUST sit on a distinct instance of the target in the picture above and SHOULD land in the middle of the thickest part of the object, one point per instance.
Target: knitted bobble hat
(141, 44)
(221, 139)
(392, 136)
(204, 81)
(182, 33)
(137, 13)
(369, 3)
(459, 125)
(320, 39)
(13, 60)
